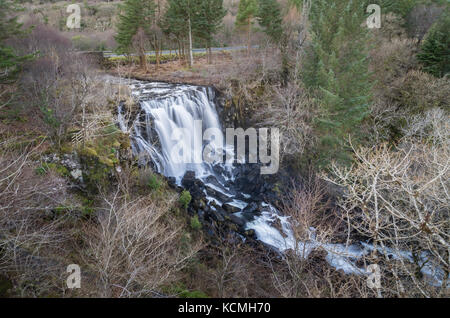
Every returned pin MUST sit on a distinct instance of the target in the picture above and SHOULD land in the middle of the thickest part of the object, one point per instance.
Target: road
(107, 54)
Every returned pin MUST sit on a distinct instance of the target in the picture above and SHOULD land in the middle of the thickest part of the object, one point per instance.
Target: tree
(435, 50)
(172, 25)
(209, 20)
(10, 62)
(269, 18)
(156, 31)
(246, 14)
(337, 70)
(183, 15)
(135, 26)
(398, 197)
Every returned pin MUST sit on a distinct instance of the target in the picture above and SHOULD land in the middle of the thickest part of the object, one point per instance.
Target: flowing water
(166, 108)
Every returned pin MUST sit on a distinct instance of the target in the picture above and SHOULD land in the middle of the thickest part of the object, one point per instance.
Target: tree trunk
(209, 54)
(142, 58)
(157, 51)
(248, 35)
(179, 50)
(142, 61)
(191, 57)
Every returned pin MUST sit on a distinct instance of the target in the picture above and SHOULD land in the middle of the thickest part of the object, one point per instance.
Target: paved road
(165, 52)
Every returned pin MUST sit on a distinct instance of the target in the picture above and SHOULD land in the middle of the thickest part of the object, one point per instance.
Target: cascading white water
(166, 108)
(171, 108)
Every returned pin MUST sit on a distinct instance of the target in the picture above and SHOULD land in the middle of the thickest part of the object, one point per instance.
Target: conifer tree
(247, 12)
(135, 23)
(183, 14)
(435, 50)
(173, 25)
(269, 18)
(337, 69)
(10, 62)
(208, 21)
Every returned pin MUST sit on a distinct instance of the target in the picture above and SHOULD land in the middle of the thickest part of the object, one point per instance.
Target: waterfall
(165, 108)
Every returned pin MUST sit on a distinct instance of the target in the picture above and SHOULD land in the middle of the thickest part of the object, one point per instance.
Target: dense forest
(358, 89)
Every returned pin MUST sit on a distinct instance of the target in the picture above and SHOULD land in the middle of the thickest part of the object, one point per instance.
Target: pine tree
(338, 70)
(209, 20)
(183, 15)
(173, 25)
(10, 61)
(246, 14)
(435, 50)
(269, 18)
(135, 23)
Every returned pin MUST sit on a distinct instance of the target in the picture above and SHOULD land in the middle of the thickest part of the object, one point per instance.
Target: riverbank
(176, 71)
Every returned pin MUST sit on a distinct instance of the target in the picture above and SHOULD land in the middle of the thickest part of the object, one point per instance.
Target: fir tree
(137, 16)
(246, 14)
(435, 50)
(10, 61)
(172, 25)
(338, 70)
(209, 20)
(269, 18)
(183, 15)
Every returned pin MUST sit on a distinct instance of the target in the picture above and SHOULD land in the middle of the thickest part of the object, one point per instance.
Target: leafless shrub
(303, 270)
(42, 40)
(399, 199)
(56, 83)
(391, 60)
(419, 92)
(291, 110)
(421, 18)
(232, 270)
(56, 88)
(390, 63)
(30, 233)
(392, 28)
(136, 246)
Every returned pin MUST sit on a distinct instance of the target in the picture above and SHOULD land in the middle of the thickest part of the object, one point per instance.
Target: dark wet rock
(194, 185)
(250, 233)
(188, 179)
(252, 208)
(230, 208)
(216, 194)
(236, 219)
(172, 181)
(217, 214)
(248, 216)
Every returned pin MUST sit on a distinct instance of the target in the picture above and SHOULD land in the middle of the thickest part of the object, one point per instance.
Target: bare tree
(399, 198)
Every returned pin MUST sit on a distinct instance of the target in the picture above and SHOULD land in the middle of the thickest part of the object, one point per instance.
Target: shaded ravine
(227, 188)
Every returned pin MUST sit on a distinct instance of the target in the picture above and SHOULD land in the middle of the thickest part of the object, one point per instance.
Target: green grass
(185, 199)
(150, 58)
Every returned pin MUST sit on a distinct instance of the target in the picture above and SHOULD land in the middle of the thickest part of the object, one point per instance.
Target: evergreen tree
(209, 20)
(173, 25)
(183, 14)
(10, 62)
(246, 14)
(435, 50)
(135, 23)
(269, 18)
(337, 69)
